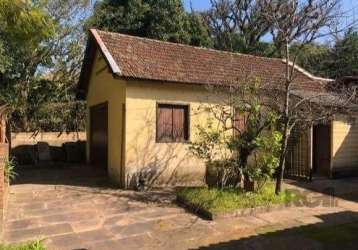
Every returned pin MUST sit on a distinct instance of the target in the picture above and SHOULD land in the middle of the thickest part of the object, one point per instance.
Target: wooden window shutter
(172, 123)
(165, 123)
(178, 123)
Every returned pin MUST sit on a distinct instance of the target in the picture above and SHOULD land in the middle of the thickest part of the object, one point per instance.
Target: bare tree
(230, 21)
(303, 22)
(241, 24)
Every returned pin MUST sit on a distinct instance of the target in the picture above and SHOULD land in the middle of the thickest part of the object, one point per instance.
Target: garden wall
(32, 148)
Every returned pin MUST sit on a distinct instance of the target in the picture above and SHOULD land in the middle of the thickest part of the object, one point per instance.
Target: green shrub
(266, 158)
(9, 170)
(33, 245)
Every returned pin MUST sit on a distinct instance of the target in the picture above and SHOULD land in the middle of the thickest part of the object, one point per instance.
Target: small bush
(9, 170)
(33, 245)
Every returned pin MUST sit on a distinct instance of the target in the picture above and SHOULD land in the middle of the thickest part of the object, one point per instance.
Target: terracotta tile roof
(142, 58)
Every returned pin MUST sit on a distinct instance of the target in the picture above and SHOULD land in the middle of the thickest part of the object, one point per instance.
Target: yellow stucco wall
(104, 88)
(166, 163)
(344, 144)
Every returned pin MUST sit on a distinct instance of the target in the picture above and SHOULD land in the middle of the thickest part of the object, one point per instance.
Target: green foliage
(332, 62)
(313, 58)
(159, 19)
(344, 56)
(212, 146)
(266, 157)
(250, 137)
(33, 245)
(238, 129)
(41, 52)
(24, 31)
(209, 144)
(228, 200)
(9, 170)
(25, 23)
(198, 31)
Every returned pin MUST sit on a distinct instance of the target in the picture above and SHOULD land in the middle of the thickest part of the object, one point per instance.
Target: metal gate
(298, 160)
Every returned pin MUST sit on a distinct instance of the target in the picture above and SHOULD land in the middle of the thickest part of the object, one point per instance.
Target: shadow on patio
(333, 231)
(344, 188)
(62, 174)
(84, 179)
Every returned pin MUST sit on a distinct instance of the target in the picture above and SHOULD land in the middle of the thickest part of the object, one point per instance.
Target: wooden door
(99, 135)
(322, 149)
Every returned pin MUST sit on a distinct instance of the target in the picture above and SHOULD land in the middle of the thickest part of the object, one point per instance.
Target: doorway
(322, 150)
(99, 135)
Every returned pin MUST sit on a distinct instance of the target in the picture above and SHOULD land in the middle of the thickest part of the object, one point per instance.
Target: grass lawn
(33, 245)
(216, 201)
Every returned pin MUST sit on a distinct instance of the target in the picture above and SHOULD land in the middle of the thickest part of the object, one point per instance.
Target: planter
(205, 214)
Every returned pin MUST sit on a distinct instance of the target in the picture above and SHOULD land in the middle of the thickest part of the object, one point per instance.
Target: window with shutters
(172, 123)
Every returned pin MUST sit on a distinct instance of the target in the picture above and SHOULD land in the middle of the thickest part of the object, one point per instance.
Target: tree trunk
(281, 168)
(286, 125)
(24, 103)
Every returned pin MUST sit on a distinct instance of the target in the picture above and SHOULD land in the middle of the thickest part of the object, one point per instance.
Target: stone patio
(73, 207)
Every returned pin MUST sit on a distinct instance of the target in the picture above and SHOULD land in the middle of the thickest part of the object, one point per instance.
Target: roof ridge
(190, 46)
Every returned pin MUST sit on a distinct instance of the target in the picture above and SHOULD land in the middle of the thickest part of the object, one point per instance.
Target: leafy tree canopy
(159, 19)
(335, 61)
(40, 52)
(312, 57)
(343, 60)
(24, 28)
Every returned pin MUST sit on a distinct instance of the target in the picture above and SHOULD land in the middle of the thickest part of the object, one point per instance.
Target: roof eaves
(112, 63)
(306, 73)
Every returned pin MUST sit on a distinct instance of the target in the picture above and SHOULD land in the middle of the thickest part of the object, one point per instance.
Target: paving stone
(119, 220)
(65, 241)
(68, 217)
(46, 212)
(22, 224)
(32, 206)
(37, 233)
(277, 216)
(349, 205)
(309, 220)
(237, 223)
(95, 235)
(160, 213)
(77, 213)
(136, 242)
(133, 229)
(80, 226)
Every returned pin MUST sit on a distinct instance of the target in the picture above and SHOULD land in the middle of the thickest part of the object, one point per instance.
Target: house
(142, 95)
